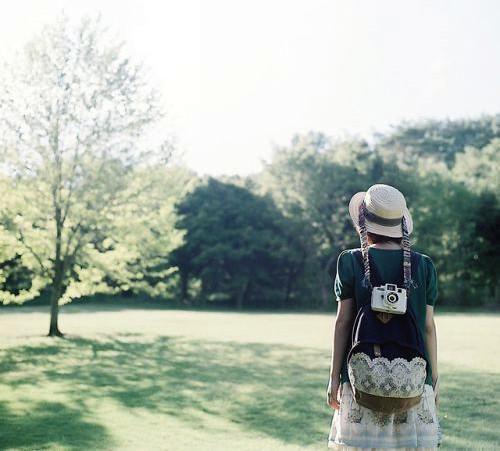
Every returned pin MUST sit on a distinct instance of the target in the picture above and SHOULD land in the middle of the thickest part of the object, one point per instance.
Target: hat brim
(392, 231)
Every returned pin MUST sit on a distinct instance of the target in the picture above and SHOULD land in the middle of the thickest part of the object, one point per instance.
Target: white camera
(389, 298)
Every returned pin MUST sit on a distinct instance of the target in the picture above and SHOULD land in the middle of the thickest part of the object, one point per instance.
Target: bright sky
(242, 76)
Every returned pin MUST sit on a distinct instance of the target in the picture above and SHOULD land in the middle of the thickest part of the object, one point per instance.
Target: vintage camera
(389, 298)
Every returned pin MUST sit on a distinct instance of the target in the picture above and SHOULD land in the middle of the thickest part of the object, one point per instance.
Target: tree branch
(31, 250)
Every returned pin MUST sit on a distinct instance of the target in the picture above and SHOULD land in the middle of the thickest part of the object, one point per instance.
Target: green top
(389, 263)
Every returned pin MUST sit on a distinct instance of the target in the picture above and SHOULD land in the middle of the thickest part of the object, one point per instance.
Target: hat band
(372, 217)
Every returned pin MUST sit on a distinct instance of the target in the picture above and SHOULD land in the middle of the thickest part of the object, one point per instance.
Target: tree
(77, 118)
(437, 140)
(235, 244)
(148, 234)
(479, 169)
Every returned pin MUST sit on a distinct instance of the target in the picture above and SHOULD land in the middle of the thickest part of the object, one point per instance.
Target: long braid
(408, 281)
(364, 245)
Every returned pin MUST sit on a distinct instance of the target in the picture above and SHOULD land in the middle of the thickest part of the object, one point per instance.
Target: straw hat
(385, 207)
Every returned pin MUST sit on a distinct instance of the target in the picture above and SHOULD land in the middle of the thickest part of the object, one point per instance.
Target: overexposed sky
(241, 76)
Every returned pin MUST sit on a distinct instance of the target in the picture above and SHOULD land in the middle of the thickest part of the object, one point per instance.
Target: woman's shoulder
(429, 274)
(345, 260)
(347, 255)
(350, 251)
(426, 259)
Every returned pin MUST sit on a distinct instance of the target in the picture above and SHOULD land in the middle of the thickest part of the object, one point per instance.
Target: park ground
(161, 379)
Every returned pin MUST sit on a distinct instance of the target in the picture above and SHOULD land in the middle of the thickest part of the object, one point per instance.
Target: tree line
(272, 240)
(92, 201)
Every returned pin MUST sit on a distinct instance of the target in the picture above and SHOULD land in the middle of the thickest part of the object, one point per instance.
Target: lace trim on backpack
(397, 378)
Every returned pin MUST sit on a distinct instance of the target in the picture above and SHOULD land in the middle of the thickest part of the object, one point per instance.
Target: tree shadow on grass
(272, 389)
(50, 424)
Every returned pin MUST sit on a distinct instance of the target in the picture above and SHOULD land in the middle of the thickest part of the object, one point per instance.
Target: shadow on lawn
(272, 389)
(49, 423)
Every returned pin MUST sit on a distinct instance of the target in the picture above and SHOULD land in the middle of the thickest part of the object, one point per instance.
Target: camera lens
(392, 298)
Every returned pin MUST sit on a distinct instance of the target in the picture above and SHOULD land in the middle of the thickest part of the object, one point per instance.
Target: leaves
(77, 122)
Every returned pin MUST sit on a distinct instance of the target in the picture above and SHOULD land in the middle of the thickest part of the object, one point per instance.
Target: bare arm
(431, 343)
(343, 324)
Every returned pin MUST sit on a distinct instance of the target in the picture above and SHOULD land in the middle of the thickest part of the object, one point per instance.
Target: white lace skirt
(356, 427)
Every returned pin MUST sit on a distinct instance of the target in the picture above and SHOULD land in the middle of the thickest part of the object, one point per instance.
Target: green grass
(132, 379)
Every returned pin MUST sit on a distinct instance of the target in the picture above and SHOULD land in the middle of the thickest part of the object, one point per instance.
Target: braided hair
(363, 235)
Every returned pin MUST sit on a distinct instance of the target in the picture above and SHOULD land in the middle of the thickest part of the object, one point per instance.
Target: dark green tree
(237, 244)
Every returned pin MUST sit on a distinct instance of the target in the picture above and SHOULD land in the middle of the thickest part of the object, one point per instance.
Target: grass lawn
(147, 379)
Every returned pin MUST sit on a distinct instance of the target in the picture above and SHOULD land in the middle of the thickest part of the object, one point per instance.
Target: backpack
(386, 363)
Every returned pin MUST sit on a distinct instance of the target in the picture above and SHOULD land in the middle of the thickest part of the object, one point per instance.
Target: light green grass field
(131, 379)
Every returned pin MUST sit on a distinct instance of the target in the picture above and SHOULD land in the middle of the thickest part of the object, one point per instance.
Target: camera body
(389, 298)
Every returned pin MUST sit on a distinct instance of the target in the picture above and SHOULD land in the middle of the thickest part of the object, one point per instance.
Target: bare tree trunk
(58, 279)
(242, 295)
(288, 289)
(184, 287)
(54, 315)
(54, 301)
(326, 282)
(292, 275)
(325, 294)
(239, 300)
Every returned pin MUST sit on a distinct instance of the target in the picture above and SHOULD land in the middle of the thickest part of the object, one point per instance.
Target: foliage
(455, 210)
(146, 231)
(478, 169)
(91, 206)
(236, 243)
(77, 122)
(438, 140)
